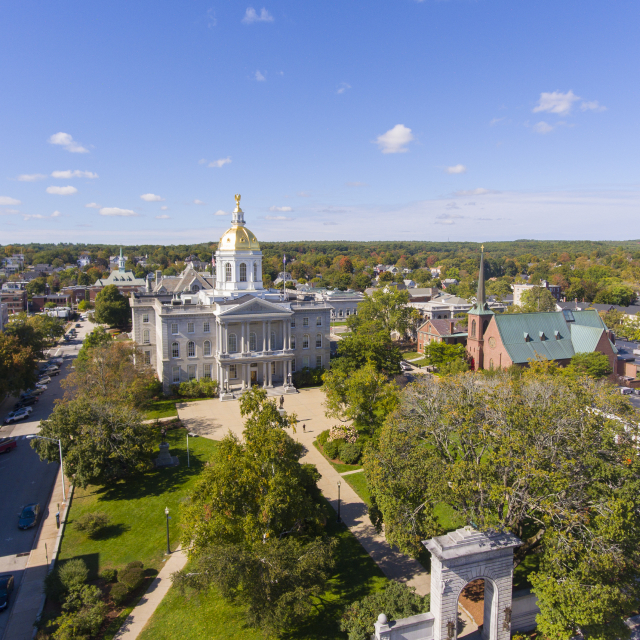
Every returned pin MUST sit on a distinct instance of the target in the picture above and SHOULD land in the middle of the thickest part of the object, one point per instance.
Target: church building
(230, 329)
(499, 340)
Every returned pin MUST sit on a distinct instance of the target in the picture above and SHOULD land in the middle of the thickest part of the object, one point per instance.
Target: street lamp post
(166, 513)
(188, 462)
(64, 498)
(339, 519)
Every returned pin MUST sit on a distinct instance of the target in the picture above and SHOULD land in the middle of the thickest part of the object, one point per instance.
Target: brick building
(16, 301)
(448, 331)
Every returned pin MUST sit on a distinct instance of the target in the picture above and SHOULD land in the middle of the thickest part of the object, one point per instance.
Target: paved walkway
(143, 611)
(29, 598)
(214, 419)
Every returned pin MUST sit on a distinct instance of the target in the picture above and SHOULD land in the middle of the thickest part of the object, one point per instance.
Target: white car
(19, 414)
(41, 385)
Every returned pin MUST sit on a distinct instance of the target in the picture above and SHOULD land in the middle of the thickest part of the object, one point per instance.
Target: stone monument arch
(458, 558)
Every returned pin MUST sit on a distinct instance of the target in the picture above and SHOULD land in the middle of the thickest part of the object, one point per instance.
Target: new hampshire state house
(230, 329)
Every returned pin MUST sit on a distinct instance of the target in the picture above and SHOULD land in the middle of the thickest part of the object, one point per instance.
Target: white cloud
(8, 200)
(202, 161)
(495, 121)
(329, 224)
(220, 212)
(480, 191)
(278, 218)
(342, 87)
(198, 202)
(55, 214)
(458, 168)
(30, 177)
(151, 197)
(73, 174)
(39, 216)
(444, 221)
(9, 212)
(62, 191)
(593, 105)
(259, 77)
(212, 21)
(164, 216)
(65, 140)
(542, 127)
(92, 205)
(220, 163)
(356, 184)
(303, 194)
(556, 102)
(164, 207)
(395, 140)
(116, 211)
(251, 16)
(452, 205)
(281, 209)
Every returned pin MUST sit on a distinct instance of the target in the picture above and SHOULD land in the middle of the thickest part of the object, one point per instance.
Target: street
(24, 478)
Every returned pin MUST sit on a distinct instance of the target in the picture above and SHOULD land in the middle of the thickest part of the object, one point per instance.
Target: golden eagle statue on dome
(237, 197)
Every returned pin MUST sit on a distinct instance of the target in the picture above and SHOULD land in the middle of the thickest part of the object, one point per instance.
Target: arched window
(253, 342)
(195, 288)
(191, 349)
(243, 272)
(255, 271)
(145, 337)
(318, 340)
(305, 341)
(227, 272)
(175, 350)
(473, 328)
(233, 343)
(207, 348)
(491, 364)
(273, 340)
(485, 324)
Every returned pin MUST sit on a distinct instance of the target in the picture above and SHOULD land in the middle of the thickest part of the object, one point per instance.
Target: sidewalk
(214, 419)
(143, 611)
(29, 597)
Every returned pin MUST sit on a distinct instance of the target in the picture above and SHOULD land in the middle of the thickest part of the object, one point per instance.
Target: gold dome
(238, 238)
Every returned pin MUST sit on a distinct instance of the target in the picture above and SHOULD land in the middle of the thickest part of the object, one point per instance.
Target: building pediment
(254, 306)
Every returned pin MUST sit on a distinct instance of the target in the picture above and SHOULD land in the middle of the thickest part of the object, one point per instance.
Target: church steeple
(481, 306)
(121, 262)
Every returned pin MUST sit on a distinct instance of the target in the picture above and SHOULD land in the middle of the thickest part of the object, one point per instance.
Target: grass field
(166, 408)
(136, 509)
(208, 616)
(358, 483)
(409, 355)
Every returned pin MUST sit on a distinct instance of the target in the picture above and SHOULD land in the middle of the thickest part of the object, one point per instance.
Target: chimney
(451, 326)
(158, 277)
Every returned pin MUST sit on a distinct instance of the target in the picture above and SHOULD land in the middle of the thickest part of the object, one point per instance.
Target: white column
(244, 376)
(265, 380)
(288, 332)
(269, 345)
(223, 337)
(270, 375)
(242, 337)
(264, 335)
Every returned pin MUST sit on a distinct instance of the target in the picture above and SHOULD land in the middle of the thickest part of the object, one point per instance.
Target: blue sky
(460, 119)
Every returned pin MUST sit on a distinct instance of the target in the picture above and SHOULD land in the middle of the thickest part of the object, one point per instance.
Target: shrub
(396, 601)
(82, 596)
(80, 625)
(53, 588)
(307, 377)
(132, 578)
(203, 388)
(331, 449)
(73, 573)
(134, 564)
(92, 523)
(343, 432)
(119, 592)
(109, 575)
(349, 453)
(323, 437)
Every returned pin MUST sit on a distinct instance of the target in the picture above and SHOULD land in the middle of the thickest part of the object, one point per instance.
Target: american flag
(284, 259)
(213, 261)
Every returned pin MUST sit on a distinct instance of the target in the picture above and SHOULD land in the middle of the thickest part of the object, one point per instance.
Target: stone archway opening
(471, 610)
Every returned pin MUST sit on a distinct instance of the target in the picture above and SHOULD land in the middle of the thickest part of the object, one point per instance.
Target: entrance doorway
(254, 374)
(471, 610)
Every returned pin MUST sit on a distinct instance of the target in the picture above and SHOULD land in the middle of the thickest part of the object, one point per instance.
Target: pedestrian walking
(304, 428)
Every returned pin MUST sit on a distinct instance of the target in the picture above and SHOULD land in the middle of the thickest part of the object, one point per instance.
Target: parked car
(6, 589)
(44, 380)
(25, 402)
(29, 516)
(625, 391)
(405, 366)
(36, 391)
(78, 325)
(41, 385)
(56, 361)
(53, 371)
(6, 444)
(19, 414)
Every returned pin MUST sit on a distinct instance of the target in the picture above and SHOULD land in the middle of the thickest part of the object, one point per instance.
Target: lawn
(208, 616)
(166, 408)
(339, 324)
(358, 483)
(136, 509)
(408, 355)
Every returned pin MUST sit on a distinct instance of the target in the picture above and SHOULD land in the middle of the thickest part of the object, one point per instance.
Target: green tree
(84, 279)
(363, 396)
(253, 522)
(37, 287)
(387, 276)
(369, 343)
(388, 308)
(97, 337)
(620, 295)
(101, 441)
(50, 305)
(523, 454)
(36, 332)
(594, 364)
(441, 353)
(85, 305)
(17, 365)
(537, 299)
(112, 308)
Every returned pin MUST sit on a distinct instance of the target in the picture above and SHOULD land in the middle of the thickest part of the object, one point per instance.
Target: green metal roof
(585, 338)
(589, 318)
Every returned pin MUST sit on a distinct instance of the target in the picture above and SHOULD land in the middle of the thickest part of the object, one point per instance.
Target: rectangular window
(293, 323)
(233, 371)
(206, 371)
(318, 362)
(175, 350)
(305, 342)
(206, 327)
(319, 321)
(319, 341)
(174, 328)
(145, 317)
(305, 322)
(293, 342)
(175, 375)
(147, 357)
(273, 368)
(293, 366)
(191, 371)
(190, 327)
(305, 362)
